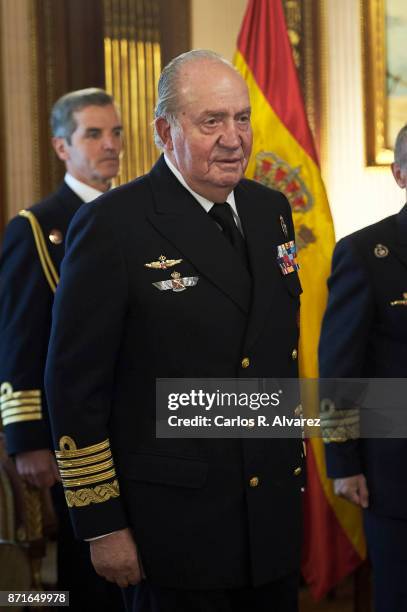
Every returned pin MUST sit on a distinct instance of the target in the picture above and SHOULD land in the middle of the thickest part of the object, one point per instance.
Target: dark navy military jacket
(33, 249)
(364, 335)
(197, 517)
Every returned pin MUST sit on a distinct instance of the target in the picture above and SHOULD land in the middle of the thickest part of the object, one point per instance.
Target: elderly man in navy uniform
(87, 137)
(364, 335)
(212, 524)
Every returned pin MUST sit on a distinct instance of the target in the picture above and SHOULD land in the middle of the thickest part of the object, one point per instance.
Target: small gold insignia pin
(381, 251)
(402, 302)
(283, 226)
(55, 236)
(163, 263)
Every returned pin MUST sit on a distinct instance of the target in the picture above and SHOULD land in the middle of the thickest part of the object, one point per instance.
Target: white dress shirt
(83, 191)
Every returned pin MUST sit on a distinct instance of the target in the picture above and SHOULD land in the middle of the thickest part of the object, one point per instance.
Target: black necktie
(223, 215)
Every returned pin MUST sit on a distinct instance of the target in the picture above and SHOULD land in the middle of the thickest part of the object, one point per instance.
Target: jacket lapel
(263, 233)
(183, 221)
(69, 200)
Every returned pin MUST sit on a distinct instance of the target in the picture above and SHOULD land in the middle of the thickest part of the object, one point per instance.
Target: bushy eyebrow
(98, 129)
(220, 114)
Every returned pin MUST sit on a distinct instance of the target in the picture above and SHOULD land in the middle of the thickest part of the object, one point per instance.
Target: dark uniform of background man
(216, 523)
(87, 137)
(364, 334)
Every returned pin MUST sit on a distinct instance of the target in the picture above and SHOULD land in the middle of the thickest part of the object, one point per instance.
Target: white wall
(215, 25)
(358, 195)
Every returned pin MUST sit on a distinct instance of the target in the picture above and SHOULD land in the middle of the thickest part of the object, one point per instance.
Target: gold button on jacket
(297, 471)
(254, 481)
(245, 362)
(294, 354)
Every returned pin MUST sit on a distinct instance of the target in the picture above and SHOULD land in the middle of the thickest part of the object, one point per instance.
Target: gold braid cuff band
(92, 495)
(339, 425)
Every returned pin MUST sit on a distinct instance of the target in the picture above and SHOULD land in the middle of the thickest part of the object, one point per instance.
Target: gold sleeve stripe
(73, 452)
(22, 417)
(92, 495)
(67, 463)
(21, 410)
(70, 482)
(46, 262)
(11, 404)
(7, 394)
(89, 469)
(19, 407)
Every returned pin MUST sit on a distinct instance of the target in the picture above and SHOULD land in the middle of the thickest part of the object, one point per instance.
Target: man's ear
(164, 131)
(61, 148)
(399, 175)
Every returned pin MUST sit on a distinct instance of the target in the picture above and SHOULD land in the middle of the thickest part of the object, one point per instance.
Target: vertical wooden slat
(132, 142)
(132, 59)
(18, 120)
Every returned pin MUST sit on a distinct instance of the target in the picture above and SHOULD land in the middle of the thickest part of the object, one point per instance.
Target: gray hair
(400, 148)
(167, 103)
(63, 122)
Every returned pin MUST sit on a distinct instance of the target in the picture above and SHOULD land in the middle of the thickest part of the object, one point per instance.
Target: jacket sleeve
(25, 321)
(344, 340)
(88, 316)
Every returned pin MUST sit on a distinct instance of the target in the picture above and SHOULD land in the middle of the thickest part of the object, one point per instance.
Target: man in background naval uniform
(87, 137)
(364, 335)
(158, 281)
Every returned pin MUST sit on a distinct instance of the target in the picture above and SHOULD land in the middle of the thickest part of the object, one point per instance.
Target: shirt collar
(206, 204)
(83, 191)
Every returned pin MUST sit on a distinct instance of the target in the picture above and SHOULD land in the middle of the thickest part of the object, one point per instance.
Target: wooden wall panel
(175, 28)
(18, 162)
(68, 50)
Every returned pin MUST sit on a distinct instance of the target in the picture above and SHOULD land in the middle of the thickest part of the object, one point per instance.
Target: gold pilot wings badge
(176, 282)
(163, 263)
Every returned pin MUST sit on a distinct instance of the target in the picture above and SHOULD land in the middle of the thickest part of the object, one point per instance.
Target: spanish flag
(284, 157)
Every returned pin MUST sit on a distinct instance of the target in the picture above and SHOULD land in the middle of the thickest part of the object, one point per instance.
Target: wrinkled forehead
(210, 83)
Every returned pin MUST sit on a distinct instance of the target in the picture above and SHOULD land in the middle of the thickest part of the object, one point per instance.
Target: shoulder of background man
(57, 207)
(54, 214)
(373, 234)
(366, 244)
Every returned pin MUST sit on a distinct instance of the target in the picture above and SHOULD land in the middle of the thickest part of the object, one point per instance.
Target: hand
(38, 468)
(115, 557)
(354, 489)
